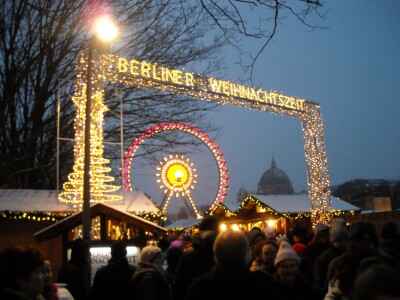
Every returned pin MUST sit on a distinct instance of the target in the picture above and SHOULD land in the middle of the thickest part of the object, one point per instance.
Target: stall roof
(183, 223)
(96, 210)
(300, 203)
(25, 200)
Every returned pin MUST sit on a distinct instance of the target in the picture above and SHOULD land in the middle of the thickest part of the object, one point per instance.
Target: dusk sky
(352, 69)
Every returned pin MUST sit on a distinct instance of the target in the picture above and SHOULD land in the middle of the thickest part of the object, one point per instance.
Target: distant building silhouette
(242, 194)
(370, 194)
(274, 181)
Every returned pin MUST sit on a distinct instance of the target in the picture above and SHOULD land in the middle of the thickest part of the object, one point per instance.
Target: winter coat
(150, 283)
(321, 267)
(12, 294)
(73, 275)
(195, 261)
(314, 250)
(113, 281)
(300, 290)
(229, 281)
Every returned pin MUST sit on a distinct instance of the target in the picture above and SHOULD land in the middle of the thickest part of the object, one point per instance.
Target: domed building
(274, 181)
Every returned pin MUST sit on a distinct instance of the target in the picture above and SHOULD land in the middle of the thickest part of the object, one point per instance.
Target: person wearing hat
(149, 281)
(339, 242)
(197, 259)
(319, 244)
(361, 233)
(345, 270)
(287, 263)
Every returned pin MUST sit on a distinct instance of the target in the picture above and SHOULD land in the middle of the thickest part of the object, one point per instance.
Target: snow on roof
(300, 203)
(231, 206)
(184, 223)
(32, 201)
(47, 201)
(135, 202)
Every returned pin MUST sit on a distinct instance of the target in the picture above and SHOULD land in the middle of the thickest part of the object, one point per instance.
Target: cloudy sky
(352, 69)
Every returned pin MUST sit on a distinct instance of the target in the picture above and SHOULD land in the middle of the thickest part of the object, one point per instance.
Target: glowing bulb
(222, 227)
(105, 29)
(271, 223)
(178, 175)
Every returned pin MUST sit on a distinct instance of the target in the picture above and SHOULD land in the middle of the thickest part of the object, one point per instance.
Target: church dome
(274, 181)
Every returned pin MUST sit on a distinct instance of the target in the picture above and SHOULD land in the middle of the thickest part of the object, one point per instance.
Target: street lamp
(105, 31)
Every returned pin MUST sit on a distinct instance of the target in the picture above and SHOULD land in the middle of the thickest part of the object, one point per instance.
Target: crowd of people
(336, 262)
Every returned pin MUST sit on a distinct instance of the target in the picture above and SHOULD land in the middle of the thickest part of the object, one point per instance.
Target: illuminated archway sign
(116, 69)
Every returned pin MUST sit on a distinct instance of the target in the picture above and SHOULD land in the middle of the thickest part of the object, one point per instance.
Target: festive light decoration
(217, 154)
(177, 176)
(32, 216)
(250, 199)
(154, 217)
(149, 75)
(100, 187)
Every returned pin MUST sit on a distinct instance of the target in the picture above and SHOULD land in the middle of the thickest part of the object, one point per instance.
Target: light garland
(149, 75)
(32, 216)
(255, 201)
(154, 216)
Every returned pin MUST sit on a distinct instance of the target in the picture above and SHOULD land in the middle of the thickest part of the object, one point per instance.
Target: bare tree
(42, 39)
(241, 20)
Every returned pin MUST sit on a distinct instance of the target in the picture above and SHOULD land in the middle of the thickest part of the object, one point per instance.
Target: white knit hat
(286, 252)
(149, 253)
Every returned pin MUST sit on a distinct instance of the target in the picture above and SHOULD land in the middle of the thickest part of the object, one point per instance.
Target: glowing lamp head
(105, 29)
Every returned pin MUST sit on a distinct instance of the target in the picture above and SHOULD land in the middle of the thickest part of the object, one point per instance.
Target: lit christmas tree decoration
(101, 189)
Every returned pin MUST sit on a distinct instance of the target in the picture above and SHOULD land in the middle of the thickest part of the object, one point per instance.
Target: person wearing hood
(339, 241)
(197, 259)
(342, 269)
(114, 280)
(319, 244)
(287, 263)
(149, 281)
(73, 272)
(390, 244)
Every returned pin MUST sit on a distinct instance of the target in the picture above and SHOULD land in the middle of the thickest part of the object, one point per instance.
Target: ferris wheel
(177, 180)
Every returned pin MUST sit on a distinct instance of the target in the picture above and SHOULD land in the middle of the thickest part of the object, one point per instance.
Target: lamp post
(106, 32)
